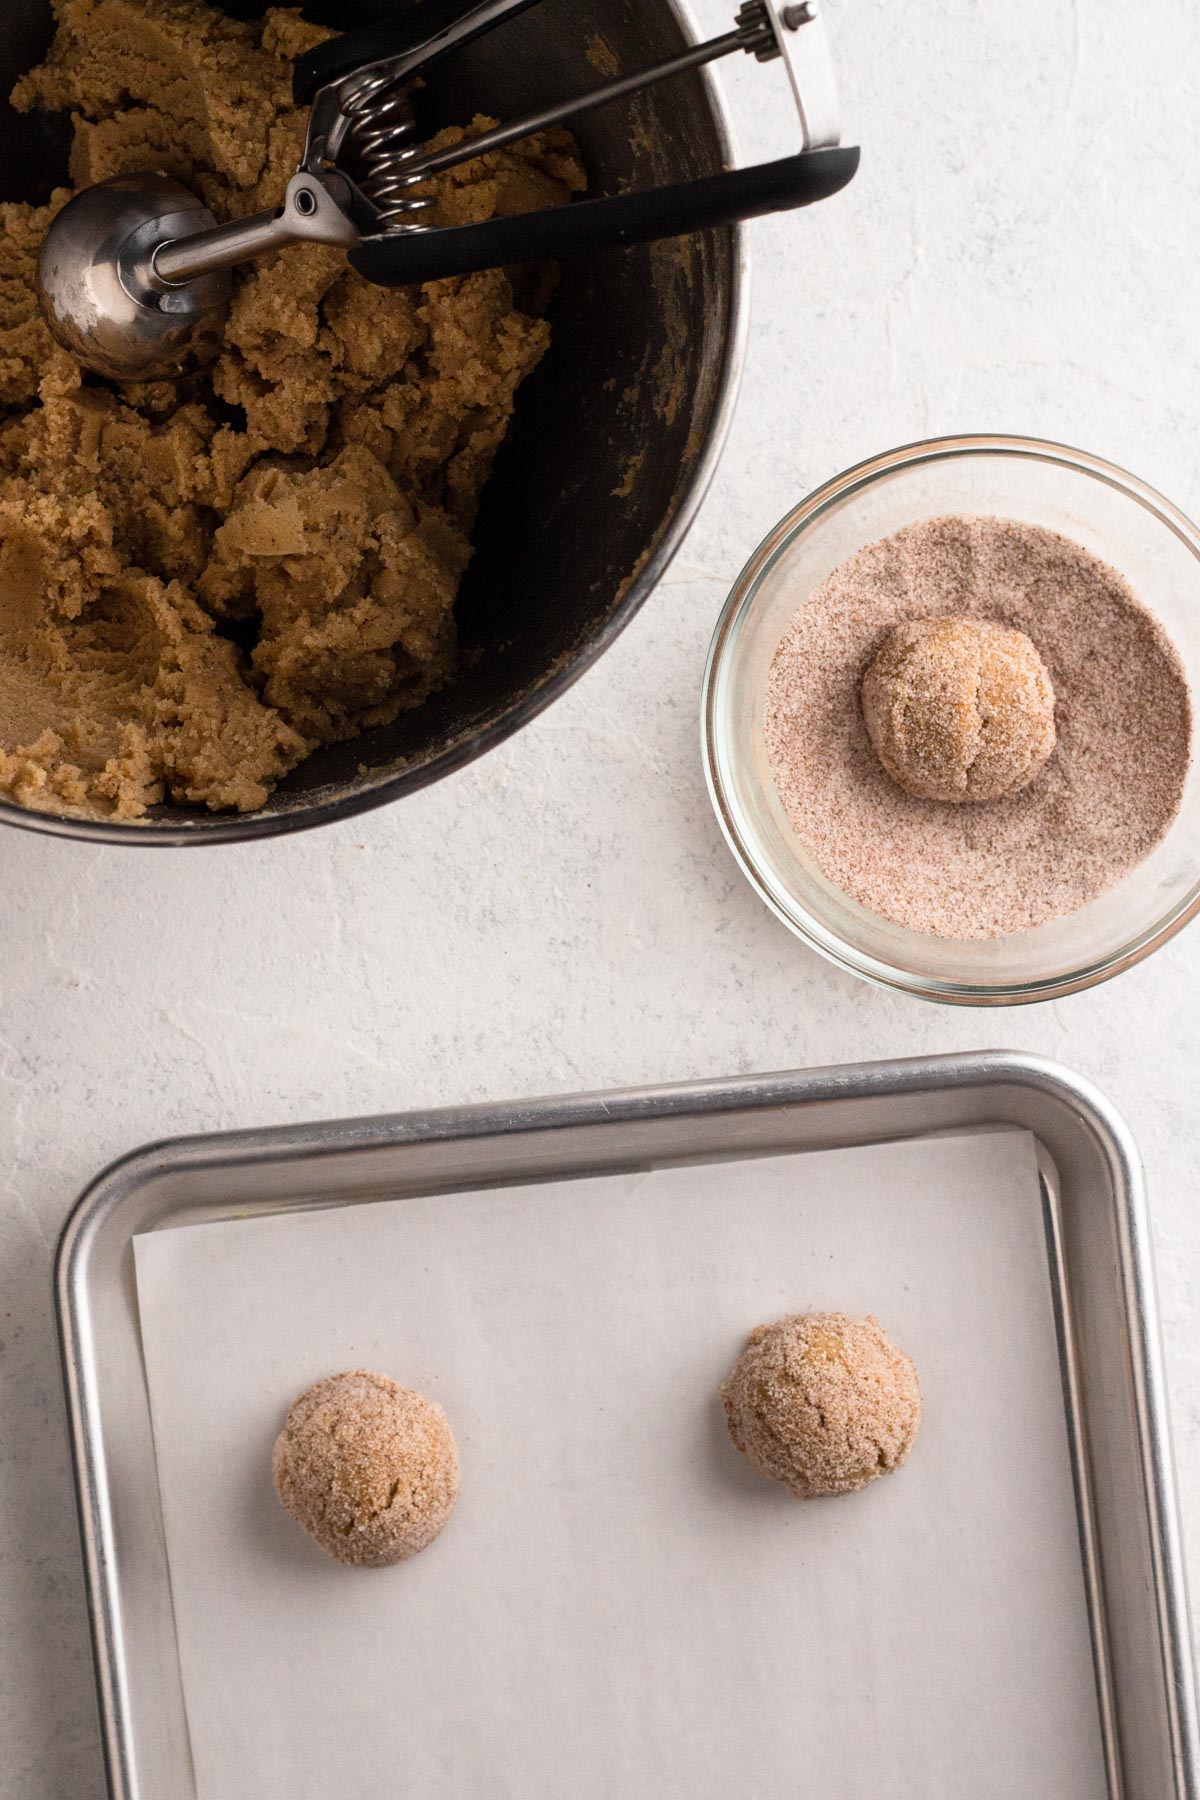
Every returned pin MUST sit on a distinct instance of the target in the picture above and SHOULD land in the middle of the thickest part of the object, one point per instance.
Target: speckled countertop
(1017, 254)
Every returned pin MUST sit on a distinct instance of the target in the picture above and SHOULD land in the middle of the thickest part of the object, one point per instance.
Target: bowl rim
(220, 828)
(791, 912)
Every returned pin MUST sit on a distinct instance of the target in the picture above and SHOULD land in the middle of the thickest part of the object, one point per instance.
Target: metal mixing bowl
(615, 436)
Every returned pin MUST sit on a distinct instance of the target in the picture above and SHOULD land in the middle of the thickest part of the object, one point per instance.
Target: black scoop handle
(598, 224)
(424, 31)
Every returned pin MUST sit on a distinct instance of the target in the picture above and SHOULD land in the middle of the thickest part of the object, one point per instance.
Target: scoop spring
(381, 130)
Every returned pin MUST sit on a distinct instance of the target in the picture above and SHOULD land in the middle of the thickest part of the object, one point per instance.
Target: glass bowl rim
(831, 944)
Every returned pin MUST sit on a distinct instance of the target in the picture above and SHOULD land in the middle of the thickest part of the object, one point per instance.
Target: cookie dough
(823, 1403)
(202, 581)
(959, 708)
(369, 1468)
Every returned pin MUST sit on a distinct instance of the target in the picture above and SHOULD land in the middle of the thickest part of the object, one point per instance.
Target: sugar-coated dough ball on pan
(823, 1403)
(370, 1469)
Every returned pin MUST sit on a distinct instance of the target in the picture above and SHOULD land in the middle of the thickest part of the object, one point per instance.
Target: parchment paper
(620, 1609)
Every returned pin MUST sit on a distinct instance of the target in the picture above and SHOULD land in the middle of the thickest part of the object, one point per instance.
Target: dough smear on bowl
(203, 580)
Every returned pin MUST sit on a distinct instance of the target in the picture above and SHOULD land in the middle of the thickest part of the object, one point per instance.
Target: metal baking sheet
(620, 1607)
(1097, 1260)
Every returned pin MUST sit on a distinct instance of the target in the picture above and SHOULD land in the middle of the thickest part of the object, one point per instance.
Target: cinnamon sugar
(1104, 799)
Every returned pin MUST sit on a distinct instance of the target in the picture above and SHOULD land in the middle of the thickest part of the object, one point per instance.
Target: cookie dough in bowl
(623, 416)
(202, 581)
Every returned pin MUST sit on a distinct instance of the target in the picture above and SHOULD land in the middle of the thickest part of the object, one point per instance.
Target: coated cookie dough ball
(822, 1403)
(959, 709)
(369, 1468)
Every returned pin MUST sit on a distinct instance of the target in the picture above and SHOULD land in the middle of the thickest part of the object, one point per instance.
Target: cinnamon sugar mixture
(1105, 798)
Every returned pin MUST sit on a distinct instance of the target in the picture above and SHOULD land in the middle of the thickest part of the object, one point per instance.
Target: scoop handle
(622, 219)
(420, 34)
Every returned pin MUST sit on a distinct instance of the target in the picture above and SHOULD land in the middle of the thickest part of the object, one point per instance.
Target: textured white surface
(1016, 255)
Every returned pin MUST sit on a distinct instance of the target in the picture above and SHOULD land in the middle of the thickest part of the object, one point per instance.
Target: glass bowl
(1110, 513)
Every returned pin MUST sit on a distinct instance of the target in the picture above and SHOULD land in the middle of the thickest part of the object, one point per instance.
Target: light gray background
(1016, 255)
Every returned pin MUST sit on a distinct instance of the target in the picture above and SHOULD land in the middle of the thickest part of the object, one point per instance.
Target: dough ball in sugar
(959, 709)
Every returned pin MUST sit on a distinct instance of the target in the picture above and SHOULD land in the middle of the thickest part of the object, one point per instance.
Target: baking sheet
(619, 1608)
